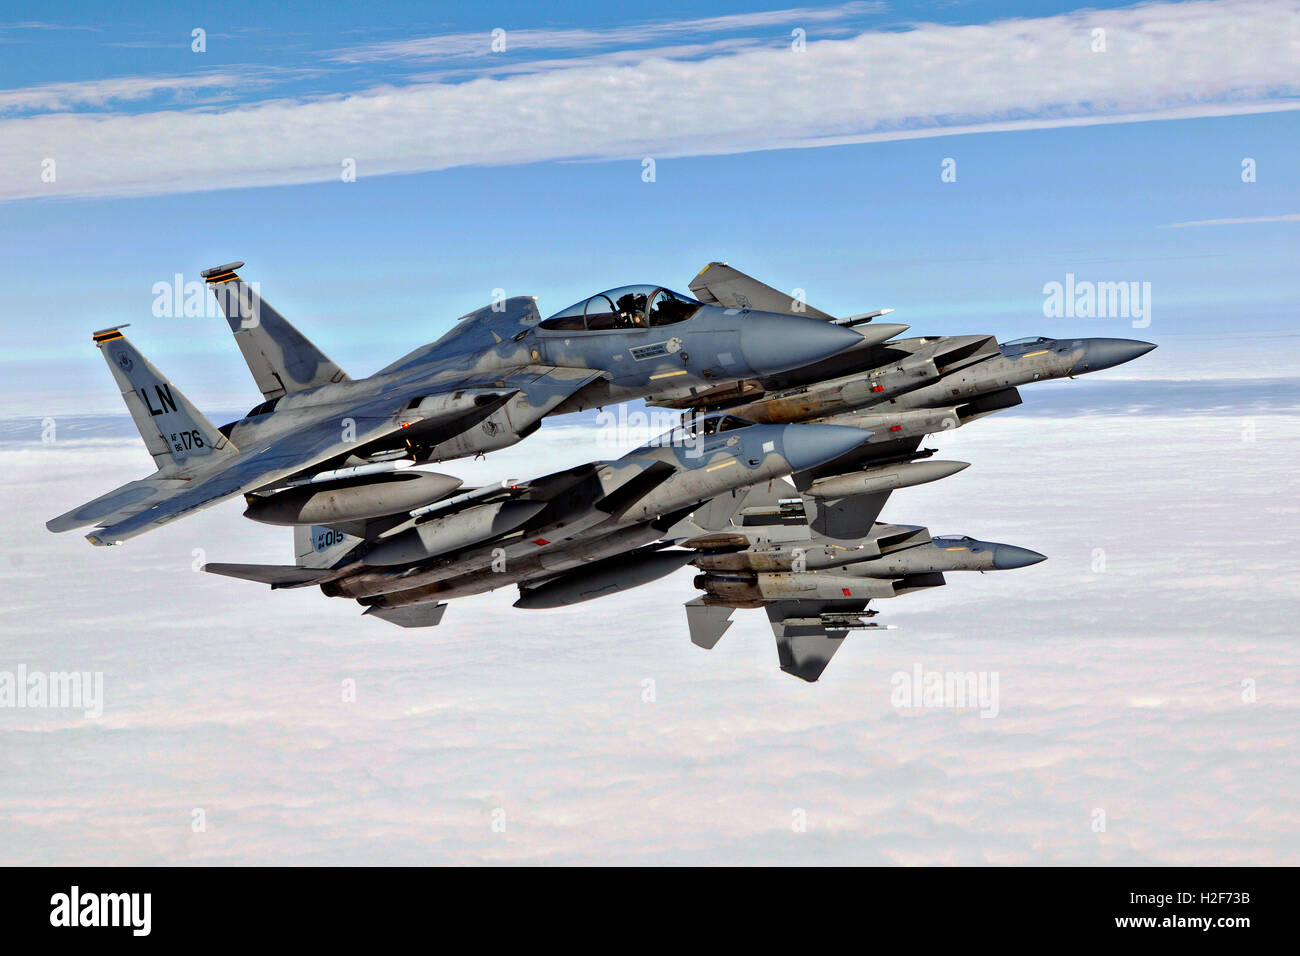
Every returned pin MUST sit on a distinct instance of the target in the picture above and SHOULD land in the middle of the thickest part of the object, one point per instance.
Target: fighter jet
(562, 538)
(815, 588)
(484, 385)
(900, 390)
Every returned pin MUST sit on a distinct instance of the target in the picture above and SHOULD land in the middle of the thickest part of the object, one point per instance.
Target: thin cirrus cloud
(1236, 221)
(1162, 61)
(463, 45)
(57, 97)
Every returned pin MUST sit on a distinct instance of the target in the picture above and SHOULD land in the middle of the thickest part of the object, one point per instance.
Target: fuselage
(636, 354)
(662, 479)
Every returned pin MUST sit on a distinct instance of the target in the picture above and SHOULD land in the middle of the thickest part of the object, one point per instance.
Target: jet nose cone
(806, 446)
(1107, 353)
(1008, 556)
(774, 343)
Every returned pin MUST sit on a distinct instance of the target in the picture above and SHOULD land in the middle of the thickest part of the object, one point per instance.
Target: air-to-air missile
(531, 532)
(486, 384)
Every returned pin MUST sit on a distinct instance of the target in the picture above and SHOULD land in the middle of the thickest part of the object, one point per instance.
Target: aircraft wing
(720, 284)
(254, 467)
(129, 511)
(120, 503)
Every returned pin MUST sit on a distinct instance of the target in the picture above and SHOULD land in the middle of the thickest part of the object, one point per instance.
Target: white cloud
(461, 45)
(1118, 690)
(54, 97)
(1240, 220)
(1162, 61)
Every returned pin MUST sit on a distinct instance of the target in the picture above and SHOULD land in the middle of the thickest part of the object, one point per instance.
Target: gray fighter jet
(563, 538)
(900, 390)
(815, 588)
(772, 388)
(484, 385)
(813, 553)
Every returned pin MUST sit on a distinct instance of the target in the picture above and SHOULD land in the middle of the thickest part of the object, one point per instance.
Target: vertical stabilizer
(281, 358)
(176, 433)
(320, 547)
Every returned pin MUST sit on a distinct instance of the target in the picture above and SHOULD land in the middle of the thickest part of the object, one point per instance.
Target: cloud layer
(1161, 60)
(1120, 685)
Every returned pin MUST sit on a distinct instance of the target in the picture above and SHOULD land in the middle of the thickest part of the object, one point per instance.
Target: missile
(803, 586)
(459, 530)
(902, 423)
(385, 494)
(354, 471)
(861, 317)
(884, 478)
(484, 492)
(603, 577)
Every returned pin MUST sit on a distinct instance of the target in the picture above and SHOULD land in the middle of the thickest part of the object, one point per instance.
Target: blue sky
(860, 220)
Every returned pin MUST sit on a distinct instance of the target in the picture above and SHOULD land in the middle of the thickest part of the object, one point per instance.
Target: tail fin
(320, 547)
(280, 357)
(176, 433)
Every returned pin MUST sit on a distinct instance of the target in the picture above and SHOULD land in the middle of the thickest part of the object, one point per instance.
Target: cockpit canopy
(1029, 340)
(703, 426)
(630, 307)
(712, 424)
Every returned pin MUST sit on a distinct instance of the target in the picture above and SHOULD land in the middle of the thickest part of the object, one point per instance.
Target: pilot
(631, 311)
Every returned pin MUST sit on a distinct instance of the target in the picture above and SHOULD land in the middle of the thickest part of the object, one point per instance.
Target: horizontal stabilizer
(118, 503)
(707, 622)
(276, 575)
(413, 615)
(719, 284)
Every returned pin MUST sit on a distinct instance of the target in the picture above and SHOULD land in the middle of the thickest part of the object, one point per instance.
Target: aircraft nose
(1107, 353)
(774, 343)
(807, 446)
(1009, 556)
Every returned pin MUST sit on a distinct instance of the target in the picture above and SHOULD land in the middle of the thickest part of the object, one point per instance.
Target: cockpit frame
(634, 308)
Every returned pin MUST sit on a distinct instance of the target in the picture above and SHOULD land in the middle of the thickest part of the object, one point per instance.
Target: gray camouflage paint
(316, 414)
